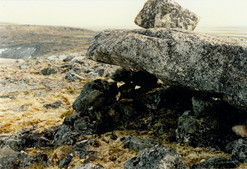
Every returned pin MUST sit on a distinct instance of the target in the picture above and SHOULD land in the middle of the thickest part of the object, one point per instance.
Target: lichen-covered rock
(197, 61)
(22, 160)
(94, 95)
(138, 144)
(197, 131)
(166, 14)
(238, 149)
(26, 138)
(92, 112)
(158, 158)
(93, 106)
(219, 162)
(202, 107)
(65, 136)
(169, 97)
(209, 124)
(70, 76)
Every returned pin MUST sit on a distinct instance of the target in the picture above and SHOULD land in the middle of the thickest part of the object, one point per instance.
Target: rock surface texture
(238, 149)
(156, 157)
(138, 144)
(90, 166)
(217, 163)
(197, 61)
(166, 14)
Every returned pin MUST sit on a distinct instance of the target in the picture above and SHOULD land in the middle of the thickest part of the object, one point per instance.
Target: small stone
(42, 142)
(15, 144)
(70, 76)
(22, 108)
(92, 156)
(197, 131)
(240, 130)
(54, 105)
(128, 111)
(158, 158)
(49, 71)
(101, 72)
(218, 162)
(82, 145)
(238, 149)
(68, 58)
(95, 94)
(166, 14)
(90, 166)
(138, 144)
(187, 113)
(113, 137)
(77, 70)
(64, 163)
(210, 149)
(68, 66)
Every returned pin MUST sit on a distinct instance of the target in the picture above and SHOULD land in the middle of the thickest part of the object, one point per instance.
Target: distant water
(238, 32)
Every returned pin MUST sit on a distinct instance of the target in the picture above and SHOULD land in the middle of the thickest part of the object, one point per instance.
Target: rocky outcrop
(196, 61)
(196, 132)
(166, 14)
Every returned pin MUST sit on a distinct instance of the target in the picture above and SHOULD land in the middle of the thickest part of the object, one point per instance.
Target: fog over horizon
(104, 14)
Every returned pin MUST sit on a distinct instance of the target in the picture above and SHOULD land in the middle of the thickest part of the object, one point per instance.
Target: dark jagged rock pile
(136, 101)
(179, 87)
(170, 113)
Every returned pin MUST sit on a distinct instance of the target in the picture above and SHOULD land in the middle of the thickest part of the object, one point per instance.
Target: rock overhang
(198, 61)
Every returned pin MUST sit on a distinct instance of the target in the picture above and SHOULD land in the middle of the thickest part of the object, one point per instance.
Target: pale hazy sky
(102, 14)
